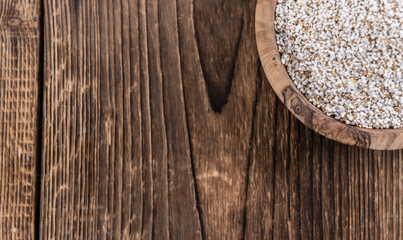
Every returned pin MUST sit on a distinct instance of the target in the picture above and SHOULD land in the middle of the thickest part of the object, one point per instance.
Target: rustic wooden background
(152, 119)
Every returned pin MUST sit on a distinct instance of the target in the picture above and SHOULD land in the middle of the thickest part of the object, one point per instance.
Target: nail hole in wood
(14, 22)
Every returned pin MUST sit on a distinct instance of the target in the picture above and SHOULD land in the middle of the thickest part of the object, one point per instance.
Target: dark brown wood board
(19, 98)
(159, 123)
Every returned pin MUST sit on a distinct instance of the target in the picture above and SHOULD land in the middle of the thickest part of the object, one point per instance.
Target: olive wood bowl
(295, 101)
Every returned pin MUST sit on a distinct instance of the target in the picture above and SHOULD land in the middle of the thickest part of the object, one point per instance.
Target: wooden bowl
(295, 101)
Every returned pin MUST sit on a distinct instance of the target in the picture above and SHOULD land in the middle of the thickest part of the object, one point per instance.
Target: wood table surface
(153, 119)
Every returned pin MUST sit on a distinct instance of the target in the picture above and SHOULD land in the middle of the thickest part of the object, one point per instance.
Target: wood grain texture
(96, 139)
(159, 123)
(383, 139)
(109, 170)
(19, 65)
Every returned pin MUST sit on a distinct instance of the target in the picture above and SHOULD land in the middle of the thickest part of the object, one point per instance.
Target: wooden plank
(305, 147)
(144, 230)
(316, 187)
(281, 187)
(395, 194)
(159, 143)
(220, 76)
(327, 191)
(160, 124)
(71, 122)
(293, 180)
(90, 92)
(183, 214)
(366, 186)
(260, 199)
(345, 191)
(19, 97)
(371, 192)
(337, 191)
(109, 171)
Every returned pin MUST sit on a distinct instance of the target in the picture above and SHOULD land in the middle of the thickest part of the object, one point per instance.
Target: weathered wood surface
(159, 123)
(19, 65)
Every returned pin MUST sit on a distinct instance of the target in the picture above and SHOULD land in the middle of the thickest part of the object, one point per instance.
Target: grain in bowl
(346, 57)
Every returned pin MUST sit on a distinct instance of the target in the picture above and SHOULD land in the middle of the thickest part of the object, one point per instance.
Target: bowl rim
(296, 102)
